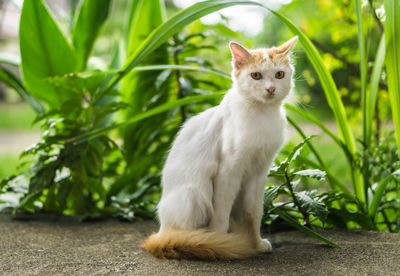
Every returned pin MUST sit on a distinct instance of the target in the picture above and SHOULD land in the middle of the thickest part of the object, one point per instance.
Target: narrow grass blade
(372, 92)
(392, 38)
(363, 69)
(291, 221)
(157, 110)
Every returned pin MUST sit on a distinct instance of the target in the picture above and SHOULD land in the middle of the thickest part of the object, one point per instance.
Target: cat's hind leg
(253, 210)
(185, 208)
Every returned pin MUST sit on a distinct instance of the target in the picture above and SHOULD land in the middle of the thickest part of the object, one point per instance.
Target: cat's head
(263, 75)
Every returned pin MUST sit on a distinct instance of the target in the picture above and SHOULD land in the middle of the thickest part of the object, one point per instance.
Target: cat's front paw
(264, 245)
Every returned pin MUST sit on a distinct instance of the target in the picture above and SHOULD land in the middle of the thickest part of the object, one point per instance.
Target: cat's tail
(199, 244)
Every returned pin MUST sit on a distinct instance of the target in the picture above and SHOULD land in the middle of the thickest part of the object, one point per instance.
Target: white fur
(218, 164)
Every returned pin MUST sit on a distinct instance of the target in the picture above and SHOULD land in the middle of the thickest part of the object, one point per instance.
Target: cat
(214, 177)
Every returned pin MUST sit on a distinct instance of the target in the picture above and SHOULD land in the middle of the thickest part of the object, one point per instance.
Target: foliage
(106, 131)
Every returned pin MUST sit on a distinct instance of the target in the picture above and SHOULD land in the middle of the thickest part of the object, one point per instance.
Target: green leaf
(79, 83)
(92, 14)
(333, 180)
(372, 92)
(363, 67)
(154, 111)
(284, 165)
(379, 195)
(12, 81)
(169, 28)
(392, 61)
(147, 16)
(340, 218)
(270, 194)
(293, 222)
(311, 205)
(317, 174)
(45, 52)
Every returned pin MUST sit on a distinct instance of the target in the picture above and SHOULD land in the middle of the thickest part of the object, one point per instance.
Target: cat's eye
(256, 75)
(279, 74)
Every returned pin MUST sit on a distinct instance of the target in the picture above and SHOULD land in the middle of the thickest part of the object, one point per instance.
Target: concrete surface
(66, 247)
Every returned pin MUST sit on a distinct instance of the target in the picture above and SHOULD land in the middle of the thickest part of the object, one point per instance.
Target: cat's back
(195, 149)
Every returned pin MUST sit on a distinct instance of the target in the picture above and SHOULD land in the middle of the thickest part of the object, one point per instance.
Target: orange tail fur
(199, 244)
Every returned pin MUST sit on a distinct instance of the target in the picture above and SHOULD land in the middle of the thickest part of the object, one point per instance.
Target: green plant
(367, 196)
(302, 209)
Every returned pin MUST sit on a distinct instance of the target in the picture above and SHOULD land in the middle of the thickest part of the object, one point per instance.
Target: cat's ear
(240, 54)
(287, 46)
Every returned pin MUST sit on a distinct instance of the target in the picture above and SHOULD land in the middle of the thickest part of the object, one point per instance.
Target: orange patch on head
(256, 57)
(277, 55)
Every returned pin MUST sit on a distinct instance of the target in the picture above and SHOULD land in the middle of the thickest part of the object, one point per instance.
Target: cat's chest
(256, 133)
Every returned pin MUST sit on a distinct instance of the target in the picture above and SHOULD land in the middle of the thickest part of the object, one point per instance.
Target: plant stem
(375, 16)
(178, 75)
(296, 202)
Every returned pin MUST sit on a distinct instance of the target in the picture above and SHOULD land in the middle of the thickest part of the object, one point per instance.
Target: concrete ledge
(49, 247)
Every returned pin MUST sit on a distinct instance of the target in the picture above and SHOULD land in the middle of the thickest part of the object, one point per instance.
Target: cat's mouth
(269, 96)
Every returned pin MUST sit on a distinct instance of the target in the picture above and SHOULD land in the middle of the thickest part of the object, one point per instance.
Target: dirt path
(66, 247)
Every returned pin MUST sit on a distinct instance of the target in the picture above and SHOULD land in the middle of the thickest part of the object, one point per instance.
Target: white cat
(214, 178)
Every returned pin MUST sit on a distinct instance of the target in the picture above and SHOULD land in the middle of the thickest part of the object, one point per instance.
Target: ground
(65, 246)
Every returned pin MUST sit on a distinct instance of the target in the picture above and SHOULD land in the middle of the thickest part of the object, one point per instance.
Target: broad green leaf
(12, 81)
(392, 61)
(313, 173)
(45, 52)
(291, 221)
(90, 18)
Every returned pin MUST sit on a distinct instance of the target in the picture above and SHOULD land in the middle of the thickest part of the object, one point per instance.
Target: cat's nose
(271, 89)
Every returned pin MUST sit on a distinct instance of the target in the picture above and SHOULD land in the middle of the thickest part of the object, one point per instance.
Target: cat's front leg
(226, 188)
(253, 211)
